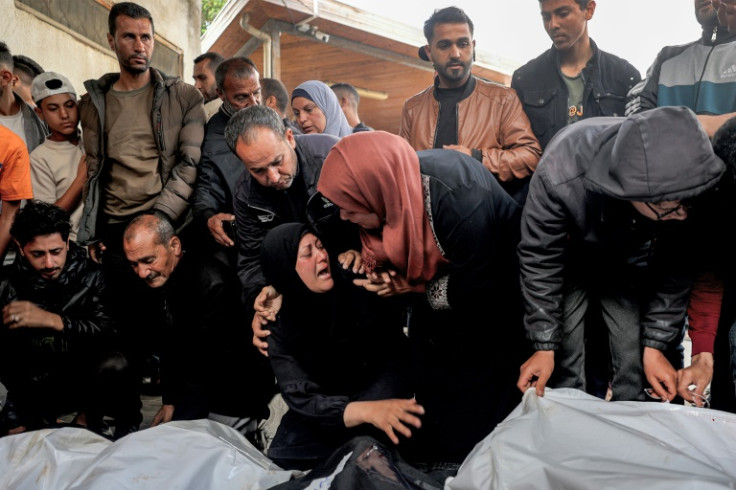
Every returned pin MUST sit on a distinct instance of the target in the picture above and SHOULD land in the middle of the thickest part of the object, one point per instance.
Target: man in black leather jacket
(55, 329)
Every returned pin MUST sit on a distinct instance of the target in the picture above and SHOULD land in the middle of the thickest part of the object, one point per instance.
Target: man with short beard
(467, 114)
(205, 66)
(142, 134)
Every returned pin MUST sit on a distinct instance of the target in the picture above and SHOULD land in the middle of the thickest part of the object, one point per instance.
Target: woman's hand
(391, 416)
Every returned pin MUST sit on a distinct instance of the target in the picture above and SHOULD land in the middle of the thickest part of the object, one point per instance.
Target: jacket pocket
(611, 104)
(540, 109)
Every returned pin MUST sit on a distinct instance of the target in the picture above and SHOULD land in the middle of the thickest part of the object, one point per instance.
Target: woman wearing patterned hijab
(317, 110)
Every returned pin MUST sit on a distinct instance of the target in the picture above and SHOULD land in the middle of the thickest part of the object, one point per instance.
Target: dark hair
(29, 68)
(5, 57)
(447, 15)
(239, 67)
(242, 124)
(159, 227)
(272, 86)
(213, 60)
(346, 88)
(581, 3)
(128, 9)
(38, 218)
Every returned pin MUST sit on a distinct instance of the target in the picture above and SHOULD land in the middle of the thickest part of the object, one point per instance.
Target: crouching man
(209, 368)
(56, 338)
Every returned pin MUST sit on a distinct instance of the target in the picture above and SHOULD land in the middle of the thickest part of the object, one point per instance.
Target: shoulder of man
(316, 145)
(419, 98)
(543, 61)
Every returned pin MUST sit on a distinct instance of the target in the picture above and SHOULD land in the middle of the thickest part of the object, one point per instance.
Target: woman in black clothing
(339, 354)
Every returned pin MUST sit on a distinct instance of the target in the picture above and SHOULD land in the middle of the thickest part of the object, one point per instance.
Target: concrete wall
(55, 49)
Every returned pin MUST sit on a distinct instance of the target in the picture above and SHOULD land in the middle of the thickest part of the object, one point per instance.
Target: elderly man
(55, 341)
(205, 356)
(464, 113)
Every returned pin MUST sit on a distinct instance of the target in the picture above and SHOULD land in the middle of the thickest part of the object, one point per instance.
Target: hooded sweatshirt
(577, 218)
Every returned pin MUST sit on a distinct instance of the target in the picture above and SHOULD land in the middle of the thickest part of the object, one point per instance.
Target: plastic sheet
(178, 455)
(568, 439)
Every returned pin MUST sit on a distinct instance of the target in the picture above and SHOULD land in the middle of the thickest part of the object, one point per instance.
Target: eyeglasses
(679, 209)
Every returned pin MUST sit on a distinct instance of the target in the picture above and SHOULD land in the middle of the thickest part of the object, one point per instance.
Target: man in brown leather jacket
(464, 113)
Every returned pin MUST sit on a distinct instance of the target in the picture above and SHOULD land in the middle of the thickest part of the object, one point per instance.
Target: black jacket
(217, 175)
(258, 209)
(578, 217)
(208, 363)
(75, 296)
(543, 93)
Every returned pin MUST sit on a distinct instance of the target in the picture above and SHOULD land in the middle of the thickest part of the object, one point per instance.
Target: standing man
(15, 114)
(349, 99)
(205, 66)
(572, 80)
(464, 113)
(220, 169)
(142, 134)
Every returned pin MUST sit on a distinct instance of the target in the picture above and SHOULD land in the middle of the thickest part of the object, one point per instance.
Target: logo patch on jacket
(266, 218)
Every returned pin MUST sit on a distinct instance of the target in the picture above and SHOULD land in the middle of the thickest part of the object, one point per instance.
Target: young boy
(58, 166)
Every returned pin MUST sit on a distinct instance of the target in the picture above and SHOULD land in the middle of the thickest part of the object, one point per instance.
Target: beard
(446, 72)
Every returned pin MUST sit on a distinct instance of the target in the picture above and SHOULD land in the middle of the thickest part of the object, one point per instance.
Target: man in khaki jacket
(464, 113)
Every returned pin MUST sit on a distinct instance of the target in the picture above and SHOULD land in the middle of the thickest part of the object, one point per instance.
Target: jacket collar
(469, 87)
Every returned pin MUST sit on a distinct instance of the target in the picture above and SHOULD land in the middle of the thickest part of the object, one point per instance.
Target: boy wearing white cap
(58, 166)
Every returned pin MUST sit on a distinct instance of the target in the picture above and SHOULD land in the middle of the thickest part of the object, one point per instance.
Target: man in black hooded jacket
(604, 219)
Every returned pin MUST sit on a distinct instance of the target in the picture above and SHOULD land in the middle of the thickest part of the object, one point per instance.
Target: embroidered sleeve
(437, 293)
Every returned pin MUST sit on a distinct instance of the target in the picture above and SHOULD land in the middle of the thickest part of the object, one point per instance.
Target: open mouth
(323, 273)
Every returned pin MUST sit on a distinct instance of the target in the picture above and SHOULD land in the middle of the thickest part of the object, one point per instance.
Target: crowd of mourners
(234, 247)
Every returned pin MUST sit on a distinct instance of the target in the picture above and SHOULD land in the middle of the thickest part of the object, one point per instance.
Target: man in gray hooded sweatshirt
(604, 221)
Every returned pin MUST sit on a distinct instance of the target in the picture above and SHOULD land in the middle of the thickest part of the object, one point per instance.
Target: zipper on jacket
(700, 80)
(160, 132)
(437, 124)
(714, 35)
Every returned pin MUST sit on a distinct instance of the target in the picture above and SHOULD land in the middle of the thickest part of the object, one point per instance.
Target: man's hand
(18, 314)
(388, 283)
(164, 415)
(214, 223)
(460, 148)
(391, 416)
(266, 306)
(352, 258)
(699, 373)
(660, 374)
(96, 250)
(536, 371)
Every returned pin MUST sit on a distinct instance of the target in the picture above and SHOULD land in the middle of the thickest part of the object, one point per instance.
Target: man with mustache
(56, 350)
(203, 348)
(467, 114)
(142, 133)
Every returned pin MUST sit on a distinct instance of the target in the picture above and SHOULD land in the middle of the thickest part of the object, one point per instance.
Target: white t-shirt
(15, 124)
(54, 166)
